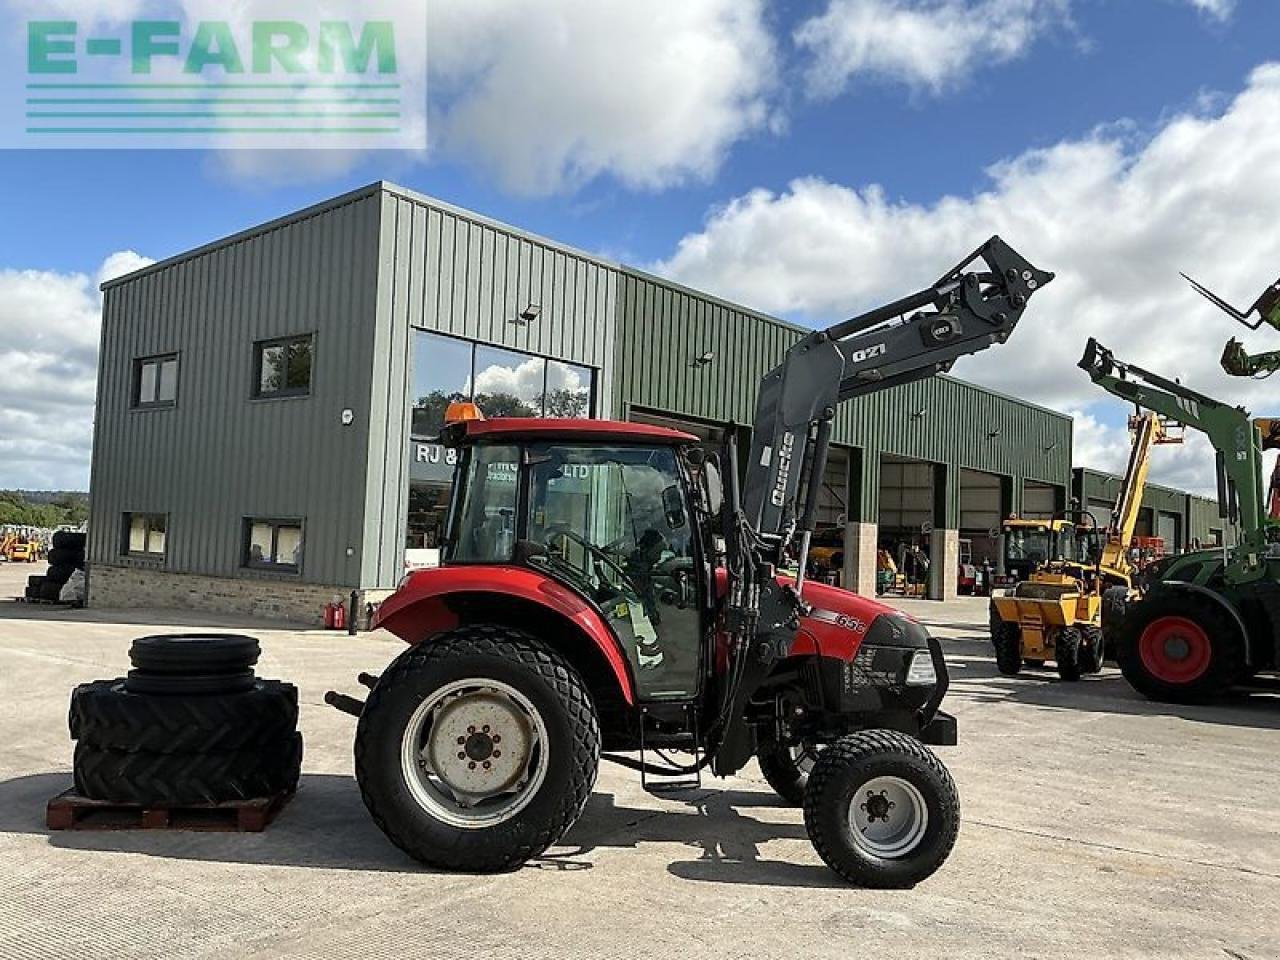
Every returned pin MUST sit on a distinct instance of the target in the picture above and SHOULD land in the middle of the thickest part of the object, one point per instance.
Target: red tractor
(607, 593)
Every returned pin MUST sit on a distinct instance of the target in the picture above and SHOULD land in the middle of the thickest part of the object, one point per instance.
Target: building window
(282, 368)
(144, 535)
(273, 544)
(155, 381)
(503, 383)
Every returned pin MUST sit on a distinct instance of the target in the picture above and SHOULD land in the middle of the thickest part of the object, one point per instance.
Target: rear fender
(432, 601)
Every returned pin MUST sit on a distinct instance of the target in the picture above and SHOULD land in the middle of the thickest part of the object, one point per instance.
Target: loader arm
(1235, 439)
(966, 311)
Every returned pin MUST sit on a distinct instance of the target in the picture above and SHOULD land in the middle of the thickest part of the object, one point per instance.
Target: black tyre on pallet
(69, 540)
(188, 685)
(1066, 653)
(66, 558)
(1007, 640)
(478, 749)
(1180, 648)
(1091, 652)
(194, 653)
(106, 715)
(33, 591)
(786, 768)
(881, 809)
(35, 581)
(50, 590)
(188, 778)
(59, 573)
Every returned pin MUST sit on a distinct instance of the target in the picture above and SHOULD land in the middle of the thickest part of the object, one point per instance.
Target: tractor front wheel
(786, 768)
(1180, 648)
(477, 749)
(881, 809)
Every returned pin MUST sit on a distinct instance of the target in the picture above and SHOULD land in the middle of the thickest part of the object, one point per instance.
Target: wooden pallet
(70, 811)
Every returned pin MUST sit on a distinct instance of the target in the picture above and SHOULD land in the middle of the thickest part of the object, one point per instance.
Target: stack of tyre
(65, 558)
(190, 725)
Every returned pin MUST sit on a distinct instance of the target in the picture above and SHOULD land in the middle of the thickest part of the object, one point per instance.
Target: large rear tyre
(478, 749)
(1180, 648)
(1007, 640)
(1066, 653)
(786, 768)
(1115, 601)
(881, 809)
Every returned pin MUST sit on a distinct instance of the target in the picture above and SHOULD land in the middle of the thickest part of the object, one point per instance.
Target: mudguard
(420, 607)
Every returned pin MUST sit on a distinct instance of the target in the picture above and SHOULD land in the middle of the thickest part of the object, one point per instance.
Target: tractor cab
(615, 513)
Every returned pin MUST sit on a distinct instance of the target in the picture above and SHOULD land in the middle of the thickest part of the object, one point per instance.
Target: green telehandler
(1210, 619)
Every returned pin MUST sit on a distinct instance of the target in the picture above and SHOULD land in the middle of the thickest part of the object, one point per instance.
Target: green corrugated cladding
(1198, 515)
(664, 330)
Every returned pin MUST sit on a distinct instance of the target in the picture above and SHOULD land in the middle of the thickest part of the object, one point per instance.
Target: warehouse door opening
(905, 524)
(1045, 500)
(980, 520)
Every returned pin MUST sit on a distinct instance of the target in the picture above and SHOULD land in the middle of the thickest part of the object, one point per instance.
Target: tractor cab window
(613, 522)
(1027, 545)
(485, 518)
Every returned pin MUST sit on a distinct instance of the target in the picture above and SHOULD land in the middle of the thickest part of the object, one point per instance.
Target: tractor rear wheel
(1180, 648)
(1115, 601)
(477, 749)
(881, 809)
(1091, 655)
(1066, 653)
(786, 768)
(1007, 639)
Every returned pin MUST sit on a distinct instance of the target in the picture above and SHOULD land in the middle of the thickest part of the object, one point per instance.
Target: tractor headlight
(921, 672)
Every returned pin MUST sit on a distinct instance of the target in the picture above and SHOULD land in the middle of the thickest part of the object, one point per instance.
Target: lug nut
(461, 741)
(485, 728)
(462, 755)
(471, 729)
(471, 765)
(497, 738)
(487, 764)
(497, 753)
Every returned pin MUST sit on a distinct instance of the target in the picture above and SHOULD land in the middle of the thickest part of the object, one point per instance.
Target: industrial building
(266, 407)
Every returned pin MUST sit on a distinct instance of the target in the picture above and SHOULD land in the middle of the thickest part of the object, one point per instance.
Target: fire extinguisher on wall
(328, 616)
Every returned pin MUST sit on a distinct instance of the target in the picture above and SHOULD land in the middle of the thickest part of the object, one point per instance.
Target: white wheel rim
(474, 753)
(888, 817)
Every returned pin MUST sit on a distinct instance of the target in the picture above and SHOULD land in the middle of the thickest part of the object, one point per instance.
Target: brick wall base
(302, 603)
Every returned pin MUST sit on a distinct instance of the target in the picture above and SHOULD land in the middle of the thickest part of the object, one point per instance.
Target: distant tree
(504, 405)
(566, 403)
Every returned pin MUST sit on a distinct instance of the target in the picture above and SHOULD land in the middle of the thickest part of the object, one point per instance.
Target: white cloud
(1215, 9)
(49, 325)
(547, 95)
(925, 44)
(1115, 219)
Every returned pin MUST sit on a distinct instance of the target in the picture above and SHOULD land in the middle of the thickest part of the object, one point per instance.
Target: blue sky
(1065, 90)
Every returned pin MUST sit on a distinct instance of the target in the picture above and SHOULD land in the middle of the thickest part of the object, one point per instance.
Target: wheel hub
(888, 817)
(479, 744)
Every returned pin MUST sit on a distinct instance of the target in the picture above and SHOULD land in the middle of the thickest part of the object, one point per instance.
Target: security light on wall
(706, 358)
(529, 314)
(919, 414)
(993, 433)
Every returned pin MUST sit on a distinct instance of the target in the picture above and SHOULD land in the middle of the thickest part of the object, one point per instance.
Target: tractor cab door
(613, 523)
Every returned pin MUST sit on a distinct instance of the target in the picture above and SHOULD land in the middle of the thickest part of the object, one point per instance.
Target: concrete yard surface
(1095, 824)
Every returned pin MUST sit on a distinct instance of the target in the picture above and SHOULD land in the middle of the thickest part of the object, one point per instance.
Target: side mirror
(714, 485)
(673, 507)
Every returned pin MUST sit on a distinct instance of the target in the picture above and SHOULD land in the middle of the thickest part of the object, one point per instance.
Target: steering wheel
(570, 534)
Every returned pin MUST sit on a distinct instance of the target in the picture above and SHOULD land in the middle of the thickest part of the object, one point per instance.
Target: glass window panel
(271, 374)
(137, 534)
(167, 391)
(569, 390)
(441, 375)
(155, 542)
(509, 384)
(289, 545)
(487, 512)
(147, 382)
(298, 375)
(260, 547)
